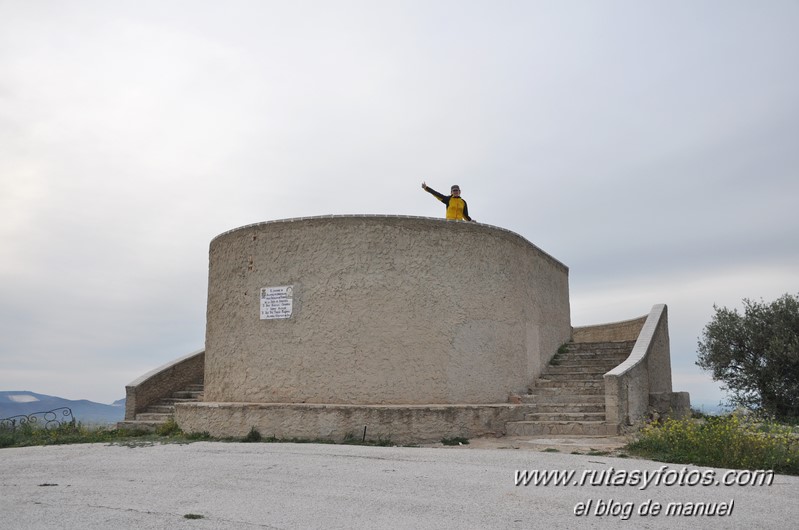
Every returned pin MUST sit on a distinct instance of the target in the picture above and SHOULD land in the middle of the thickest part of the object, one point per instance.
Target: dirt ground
(610, 445)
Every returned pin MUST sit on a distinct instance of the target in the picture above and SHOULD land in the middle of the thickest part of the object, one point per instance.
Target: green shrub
(170, 428)
(253, 436)
(728, 441)
(74, 432)
(198, 436)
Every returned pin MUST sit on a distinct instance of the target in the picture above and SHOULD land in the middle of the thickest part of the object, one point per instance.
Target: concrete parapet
(163, 381)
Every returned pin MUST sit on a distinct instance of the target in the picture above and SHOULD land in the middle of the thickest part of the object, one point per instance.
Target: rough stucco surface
(675, 405)
(397, 423)
(386, 310)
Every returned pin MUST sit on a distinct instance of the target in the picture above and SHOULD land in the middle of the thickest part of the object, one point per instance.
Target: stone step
(599, 346)
(587, 358)
(569, 397)
(565, 416)
(581, 366)
(572, 376)
(569, 385)
(559, 428)
(136, 425)
(606, 365)
(564, 388)
(578, 368)
(598, 355)
(567, 407)
(576, 347)
(541, 399)
(161, 409)
(187, 394)
(153, 417)
(174, 400)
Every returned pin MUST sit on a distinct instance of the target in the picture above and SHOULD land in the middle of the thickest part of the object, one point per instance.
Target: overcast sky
(652, 147)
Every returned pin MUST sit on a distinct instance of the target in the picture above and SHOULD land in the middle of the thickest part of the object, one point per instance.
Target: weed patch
(253, 436)
(170, 428)
(730, 441)
(76, 433)
(455, 441)
(169, 433)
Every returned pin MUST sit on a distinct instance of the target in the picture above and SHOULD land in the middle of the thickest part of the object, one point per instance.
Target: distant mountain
(24, 402)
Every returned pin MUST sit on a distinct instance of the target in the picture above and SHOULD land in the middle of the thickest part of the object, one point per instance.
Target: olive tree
(756, 355)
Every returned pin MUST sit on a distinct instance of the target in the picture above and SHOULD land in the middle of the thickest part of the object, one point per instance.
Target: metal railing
(50, 419)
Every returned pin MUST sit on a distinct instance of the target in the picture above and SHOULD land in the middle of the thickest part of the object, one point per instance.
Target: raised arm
(431, 191)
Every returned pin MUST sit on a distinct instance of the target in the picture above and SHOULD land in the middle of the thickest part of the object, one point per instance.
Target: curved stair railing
(163, 382)
(641, 385)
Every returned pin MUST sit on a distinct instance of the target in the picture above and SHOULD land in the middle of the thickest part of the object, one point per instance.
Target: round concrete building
(376, 310)
(402, 329)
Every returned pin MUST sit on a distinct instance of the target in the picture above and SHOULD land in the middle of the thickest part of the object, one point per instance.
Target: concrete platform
(564, 444)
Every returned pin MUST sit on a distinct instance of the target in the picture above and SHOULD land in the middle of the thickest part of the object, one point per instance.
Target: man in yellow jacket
(456, 207)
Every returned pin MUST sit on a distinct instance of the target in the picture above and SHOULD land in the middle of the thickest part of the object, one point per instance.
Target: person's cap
(455, 188)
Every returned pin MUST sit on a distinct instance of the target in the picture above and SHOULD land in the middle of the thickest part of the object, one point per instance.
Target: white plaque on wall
(277, 302)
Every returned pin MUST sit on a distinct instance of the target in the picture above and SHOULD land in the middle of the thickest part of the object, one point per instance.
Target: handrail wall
(162, 382)
(646, 371)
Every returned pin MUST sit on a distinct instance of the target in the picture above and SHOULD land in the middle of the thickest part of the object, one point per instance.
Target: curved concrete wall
(612, 332)
(385, 310)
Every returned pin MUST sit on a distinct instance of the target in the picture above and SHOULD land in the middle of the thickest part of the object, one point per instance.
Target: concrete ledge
(400, 424)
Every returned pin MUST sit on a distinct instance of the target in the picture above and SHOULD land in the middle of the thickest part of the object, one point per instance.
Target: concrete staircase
(163, 410)
(569, 397)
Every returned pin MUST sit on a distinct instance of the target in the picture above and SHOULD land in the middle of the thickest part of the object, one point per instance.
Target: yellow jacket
(456, 207)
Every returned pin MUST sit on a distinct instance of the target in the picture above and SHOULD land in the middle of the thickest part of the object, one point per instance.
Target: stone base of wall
(674, 405)
(401, 424)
